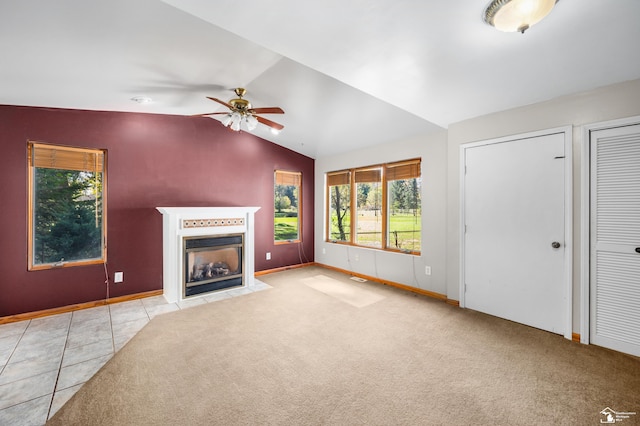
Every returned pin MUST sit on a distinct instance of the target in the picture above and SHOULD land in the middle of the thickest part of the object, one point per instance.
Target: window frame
(402, 170)
(72, 154)
(416, 163)
(374, 176)
(297, 179)
(345, 177)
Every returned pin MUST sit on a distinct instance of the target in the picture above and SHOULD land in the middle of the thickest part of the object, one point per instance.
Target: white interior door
(514, 237)
(615, 239)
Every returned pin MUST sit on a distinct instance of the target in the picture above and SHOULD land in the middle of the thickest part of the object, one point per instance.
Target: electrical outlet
(357, 258)
(268, 255)
(118, 277)
(427, 270)
(324, 250)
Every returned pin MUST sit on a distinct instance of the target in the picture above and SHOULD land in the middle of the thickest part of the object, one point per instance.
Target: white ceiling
(348, 73)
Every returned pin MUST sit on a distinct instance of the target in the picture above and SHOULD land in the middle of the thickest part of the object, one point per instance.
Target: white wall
(607, 103)
(401, 268)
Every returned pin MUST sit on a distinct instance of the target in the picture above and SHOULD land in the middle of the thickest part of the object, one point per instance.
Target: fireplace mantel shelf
(195, 211)
(181, 222)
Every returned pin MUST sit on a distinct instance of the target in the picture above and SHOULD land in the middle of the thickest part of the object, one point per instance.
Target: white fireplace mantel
(180, 222)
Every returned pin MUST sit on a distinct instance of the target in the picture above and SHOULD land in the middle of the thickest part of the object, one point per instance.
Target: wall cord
(106, 280)
(302, 254)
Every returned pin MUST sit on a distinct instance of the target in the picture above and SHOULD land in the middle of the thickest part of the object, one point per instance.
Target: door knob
(555, 244)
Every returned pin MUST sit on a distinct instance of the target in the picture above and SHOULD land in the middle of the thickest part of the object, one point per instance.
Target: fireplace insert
(212, 262)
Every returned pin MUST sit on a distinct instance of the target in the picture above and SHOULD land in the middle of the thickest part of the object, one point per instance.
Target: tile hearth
(44, 361)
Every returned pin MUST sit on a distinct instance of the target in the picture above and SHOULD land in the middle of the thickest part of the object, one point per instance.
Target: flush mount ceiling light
(142, 99)
(516, 15)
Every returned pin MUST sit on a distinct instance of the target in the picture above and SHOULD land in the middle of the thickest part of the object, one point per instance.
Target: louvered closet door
(615, 239)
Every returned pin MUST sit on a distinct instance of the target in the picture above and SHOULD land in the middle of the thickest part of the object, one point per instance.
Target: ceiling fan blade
(267, 110)
(269, 123)
(208, 114)
(220, 102)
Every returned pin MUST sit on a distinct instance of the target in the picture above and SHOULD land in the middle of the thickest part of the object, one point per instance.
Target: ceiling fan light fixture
(516, 15)
(233, 121)
(242, 115)
(227, 120)
(251, 122)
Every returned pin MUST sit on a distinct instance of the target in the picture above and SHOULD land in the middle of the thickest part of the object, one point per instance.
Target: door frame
(585, 218)
(567, 131)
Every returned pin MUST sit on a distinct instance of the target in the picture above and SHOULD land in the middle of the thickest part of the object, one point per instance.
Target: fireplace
(212, 263)
(206, 249)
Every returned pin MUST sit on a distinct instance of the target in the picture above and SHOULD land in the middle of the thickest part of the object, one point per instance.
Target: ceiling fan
(241, 112)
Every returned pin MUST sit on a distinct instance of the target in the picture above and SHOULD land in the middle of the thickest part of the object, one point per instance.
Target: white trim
(585, 218)
(568, 230)
(585, 227)
(461, 227)
(568, 213)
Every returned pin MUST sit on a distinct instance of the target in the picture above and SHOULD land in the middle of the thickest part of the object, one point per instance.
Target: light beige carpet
(292, 355)
(355, 295)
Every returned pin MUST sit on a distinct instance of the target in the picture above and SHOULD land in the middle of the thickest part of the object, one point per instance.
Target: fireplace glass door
(212, 263)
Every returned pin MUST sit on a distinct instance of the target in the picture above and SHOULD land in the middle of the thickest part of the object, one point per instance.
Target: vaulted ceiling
(348, 73)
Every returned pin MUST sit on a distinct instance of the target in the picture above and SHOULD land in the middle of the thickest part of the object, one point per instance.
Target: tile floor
(44, 361)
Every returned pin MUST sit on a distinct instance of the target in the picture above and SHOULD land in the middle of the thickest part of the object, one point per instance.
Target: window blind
(369, 175)
(80, 159)
(404, 170)
(288, 178)
(338, 178)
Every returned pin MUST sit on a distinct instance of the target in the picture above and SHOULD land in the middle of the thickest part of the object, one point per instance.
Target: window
(339, 196)
(369, 207)
(67, 221)
(384, 202)
(404, 210)
(286, 222)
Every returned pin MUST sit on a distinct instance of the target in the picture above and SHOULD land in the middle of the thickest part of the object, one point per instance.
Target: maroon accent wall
(153, 160)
